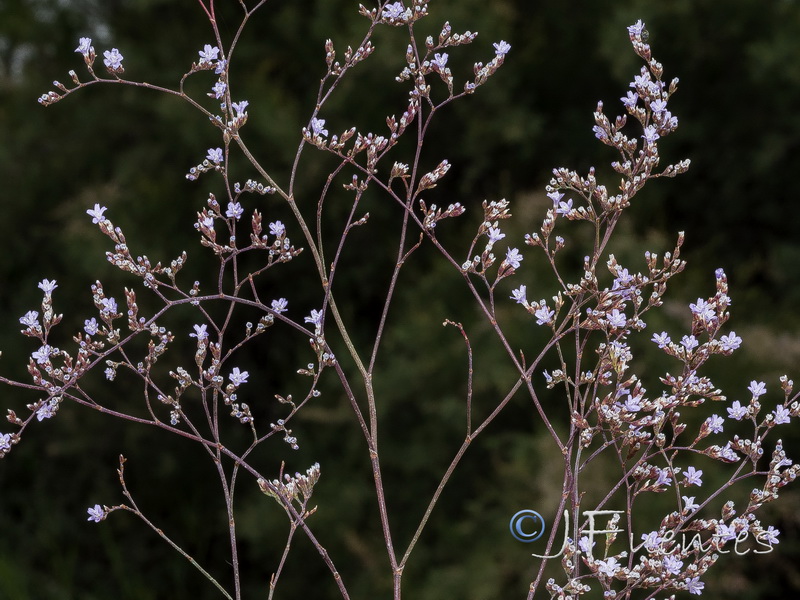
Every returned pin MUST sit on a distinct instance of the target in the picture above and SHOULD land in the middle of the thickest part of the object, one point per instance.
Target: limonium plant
(643, 441)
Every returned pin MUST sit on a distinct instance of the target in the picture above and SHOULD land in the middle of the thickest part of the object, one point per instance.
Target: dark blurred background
(129, 149)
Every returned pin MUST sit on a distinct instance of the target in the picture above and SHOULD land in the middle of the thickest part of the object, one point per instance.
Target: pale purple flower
(113, 59)
(238, 377)
(214, 155)
(692, 476)
(519, 295)
(703, 309)
(642, 80)
(495, 235)
(672, 565)
(30, 319)
(622, 279)
(694, 585)
(651, 540)
(240, 107)
(90, 326)
(555, 196)
(770, 535)
(109, 305)
(199, 332)
(47, 286)
(208, 54)
(501, 48)
(730, 342)
(235, 211)
(218, 90)
(544, 316)
(85, 46)
(724, 532)
(96, 513)
(277, 228)
(662, 339)
(513, 258)
(564, 207)
(651, 134)
(715, 423)
(663, 477)
(318, 127)
(97, 213)
(737, 411)
(636, 29)
(689, 503)
(689, 342)
(666, 120)
(280, 305)
(608, 566)
(600, 133)
(633, 404)
(757, 388)
(5, 441)
(630, 100)
(221, 66)
(110, 373)
(616, 318)
(47, 410)
(393, 11)
(781, 415)
(440, 61)
(208, 222)
(658, 106)
(315, 318)
(42, 355)
(583, 544)
(728, 453)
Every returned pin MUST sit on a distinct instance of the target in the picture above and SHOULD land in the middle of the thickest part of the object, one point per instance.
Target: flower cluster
(292, 489)
(611, 410)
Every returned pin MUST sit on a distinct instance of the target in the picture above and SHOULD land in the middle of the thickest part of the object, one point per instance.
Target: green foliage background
(128, 149)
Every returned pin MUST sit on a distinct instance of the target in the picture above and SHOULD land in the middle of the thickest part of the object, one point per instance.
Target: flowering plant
(608, 417)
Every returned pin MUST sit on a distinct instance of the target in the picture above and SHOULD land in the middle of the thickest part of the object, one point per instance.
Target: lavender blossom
(199, 332)
(781, 415)
(208, 54)
(280, 305)
(757, 388)
(97, 213)
(96, 513)
(501, 48)
(318, 127)
(513, 258)
(215, 155)
(737, 411)
(393, 11)
(238, 377)
(439, 61)
(47, 286)
(693, 476)
(30, 319)
(113, 60)
(85, 47)
(90, 326)
(234, 211)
